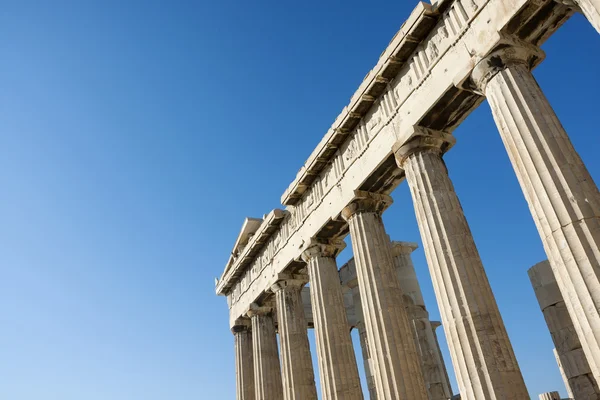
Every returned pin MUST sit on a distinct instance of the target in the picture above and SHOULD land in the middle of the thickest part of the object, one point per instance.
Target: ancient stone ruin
(444, 61)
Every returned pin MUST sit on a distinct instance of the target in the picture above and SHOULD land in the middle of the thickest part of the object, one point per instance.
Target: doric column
(337, 363)
(562, 196)
(589, 8)
(364, 344)
(570, 357)
(244, 364)
(434, 370)
(438, 350)
(395, 362)
(296, 363)
(481, 352)
(267, 370)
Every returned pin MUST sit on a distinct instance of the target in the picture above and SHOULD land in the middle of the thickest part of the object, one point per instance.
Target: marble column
(589, 8)
(296, 362)
(267, 369)
(562, 196)
(364, 344)
(337, 363)
(438, 350)
(482, 355)
(563, 375)
(569, 353)
(395, 361)
(244, 364)
(434, 370)
(550, 396)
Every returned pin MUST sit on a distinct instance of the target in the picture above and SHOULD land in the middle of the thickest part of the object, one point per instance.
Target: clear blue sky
(136, 136)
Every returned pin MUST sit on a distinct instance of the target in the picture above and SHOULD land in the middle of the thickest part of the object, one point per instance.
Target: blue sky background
(136, 136)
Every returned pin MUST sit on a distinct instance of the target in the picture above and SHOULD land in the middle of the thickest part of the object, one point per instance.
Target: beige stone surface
(296, 362)
(482, 355)
(394, 359)
(432, 363)
(550, 396)
(562, 196)
(267, 369)
(244, 363)
(562, 374)
(574, 367)
(364, 344)
(337, 364)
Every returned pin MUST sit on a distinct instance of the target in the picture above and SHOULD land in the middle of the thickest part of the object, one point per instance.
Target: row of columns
(298, 379)
(564, 202)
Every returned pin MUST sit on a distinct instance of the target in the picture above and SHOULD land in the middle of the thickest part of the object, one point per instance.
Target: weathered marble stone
(362, 334)
(296, 362)
(432, 363)
(394, 359)
(337, 364)
(267, 369)
(244, 363)
(574, 367)
(481, 352)
(550, 396)
(424, 76)
(562, 196)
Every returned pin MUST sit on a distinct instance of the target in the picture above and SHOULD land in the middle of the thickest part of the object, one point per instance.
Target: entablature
(257, 237)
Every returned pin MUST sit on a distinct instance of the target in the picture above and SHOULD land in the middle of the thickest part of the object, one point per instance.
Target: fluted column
(337, 363)
(481, 352)
(571, 360)
(267, 369)
(438, 350)
(434, 370)
(364, 344)
(244, 364)
(297, 369)
(395, 361)
(562, 196)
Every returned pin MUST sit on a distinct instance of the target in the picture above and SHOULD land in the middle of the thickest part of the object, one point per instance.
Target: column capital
(399, 248)
(366, 202)
(323, 248)
(422, 139)
(510, 51)
(291, 282)
(241, 325)
(255, 309)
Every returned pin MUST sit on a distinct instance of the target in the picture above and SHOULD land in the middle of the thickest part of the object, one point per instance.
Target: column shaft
(244, 364)
(570, 357)
(481, 352)
(267, 370)
(395, 361)
(434, 370)
(562, 196)
(337, 363)
(297, 370)
(364, 344)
